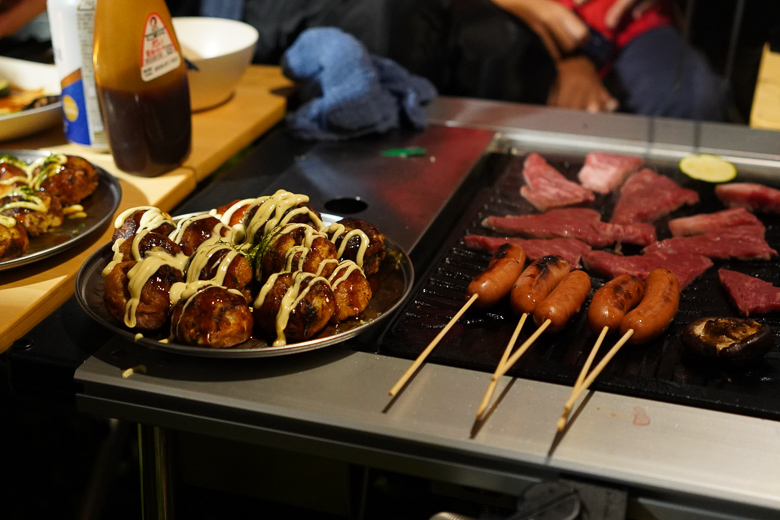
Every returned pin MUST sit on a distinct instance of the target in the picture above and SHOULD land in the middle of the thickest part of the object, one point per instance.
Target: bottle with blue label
(72, 29)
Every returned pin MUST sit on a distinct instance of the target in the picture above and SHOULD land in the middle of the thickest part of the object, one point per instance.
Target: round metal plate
(99, 207)
(390, 286)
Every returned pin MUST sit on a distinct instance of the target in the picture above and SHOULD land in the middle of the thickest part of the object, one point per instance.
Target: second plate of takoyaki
(50, 202)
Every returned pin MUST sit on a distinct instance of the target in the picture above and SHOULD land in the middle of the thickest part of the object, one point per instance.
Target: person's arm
(578, 85)
(561, 31)
(18, 15)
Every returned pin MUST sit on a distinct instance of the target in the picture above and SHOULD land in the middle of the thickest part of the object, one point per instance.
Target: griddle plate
(659, 370)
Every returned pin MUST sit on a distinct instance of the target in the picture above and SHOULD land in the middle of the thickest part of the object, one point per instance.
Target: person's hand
(578, 86)
(561, 30)
(622, 8)
(15, 15)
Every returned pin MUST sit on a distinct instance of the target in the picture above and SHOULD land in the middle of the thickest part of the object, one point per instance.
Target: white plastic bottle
(72, 28)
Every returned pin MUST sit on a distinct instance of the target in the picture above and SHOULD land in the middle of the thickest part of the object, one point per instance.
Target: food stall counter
(672, 459)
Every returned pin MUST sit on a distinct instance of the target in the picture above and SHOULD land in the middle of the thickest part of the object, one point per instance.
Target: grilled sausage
(536, 282)
(613, 300)
(496, 281)
(564, 301)
(656, 310)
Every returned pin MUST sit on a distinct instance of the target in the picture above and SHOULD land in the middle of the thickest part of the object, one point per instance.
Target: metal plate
(32, 76)
(99, 207)
(391, 285)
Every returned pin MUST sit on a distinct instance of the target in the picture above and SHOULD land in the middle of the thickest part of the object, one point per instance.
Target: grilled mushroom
(735, 341)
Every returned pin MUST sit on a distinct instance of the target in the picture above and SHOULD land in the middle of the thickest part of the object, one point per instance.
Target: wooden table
(31, 292)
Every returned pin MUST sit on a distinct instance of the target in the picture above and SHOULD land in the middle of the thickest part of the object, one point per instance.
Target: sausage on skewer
(492, 284)
(656, 310)
(495, 282)
(649, 319)
(613, 300)
(564, 301)
(536, 282)
(529, 293)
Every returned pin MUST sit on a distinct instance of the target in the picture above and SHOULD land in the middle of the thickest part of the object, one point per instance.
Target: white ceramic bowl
(222, 49)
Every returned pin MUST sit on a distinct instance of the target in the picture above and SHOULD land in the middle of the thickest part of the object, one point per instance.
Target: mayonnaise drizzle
(216, 233)
(239, 230)
(277, 210)
(152, 218)
(48, 166)
(342, 272)
(30, 201)
(335, 231)
(289, 302)
(201, 258)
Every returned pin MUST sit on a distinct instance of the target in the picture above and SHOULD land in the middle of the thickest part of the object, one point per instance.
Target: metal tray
(99, 207)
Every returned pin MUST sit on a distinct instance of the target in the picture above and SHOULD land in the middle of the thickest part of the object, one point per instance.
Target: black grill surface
(660, 370)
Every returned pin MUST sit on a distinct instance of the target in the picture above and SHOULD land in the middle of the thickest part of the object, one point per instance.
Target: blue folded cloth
(348, 92)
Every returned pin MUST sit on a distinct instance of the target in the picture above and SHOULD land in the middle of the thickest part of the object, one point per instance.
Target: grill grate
(659, 370)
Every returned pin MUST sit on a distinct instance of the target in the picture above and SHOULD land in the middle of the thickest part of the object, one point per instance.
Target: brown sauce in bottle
(146, 134)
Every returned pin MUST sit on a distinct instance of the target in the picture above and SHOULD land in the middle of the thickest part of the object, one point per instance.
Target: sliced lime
(708, 168)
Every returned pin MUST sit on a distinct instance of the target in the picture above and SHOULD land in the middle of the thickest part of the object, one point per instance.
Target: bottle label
(159, 54)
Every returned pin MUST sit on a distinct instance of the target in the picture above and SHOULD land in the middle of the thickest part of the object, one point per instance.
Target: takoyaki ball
(214, 317)
(37, 211)
(232, 213)
(194, 231)
(280, 209)
(142, 218)
(141, 303)
(297, 247)
(222, 264)
(139, 246)
(66, 177)
(13, 239)
(351, 289)
(356, 231)
(293, 306)
(12, 174)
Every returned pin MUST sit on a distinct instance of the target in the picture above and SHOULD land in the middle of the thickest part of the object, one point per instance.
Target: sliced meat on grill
(581, 223)
(570, 249)
(705, 222)
(742, 242)
(751, 196)
(545, 187)
(749, 294)
(605, 172)
(686, 266)
(647, 196)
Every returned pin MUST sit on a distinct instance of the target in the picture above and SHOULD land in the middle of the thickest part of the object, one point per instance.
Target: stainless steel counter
(674, 461)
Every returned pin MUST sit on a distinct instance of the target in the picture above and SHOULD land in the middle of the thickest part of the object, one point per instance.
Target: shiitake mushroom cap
(729, 340)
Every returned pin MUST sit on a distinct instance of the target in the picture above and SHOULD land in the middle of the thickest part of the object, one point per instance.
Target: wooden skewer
(584, 370)
(493, 381)
(591, 356)
(501, 370)
(520, 351)
(424, 354)
(578, 391)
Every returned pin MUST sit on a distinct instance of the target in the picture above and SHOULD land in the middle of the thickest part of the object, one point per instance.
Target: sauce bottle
(142, 86)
